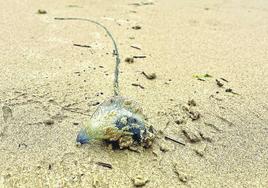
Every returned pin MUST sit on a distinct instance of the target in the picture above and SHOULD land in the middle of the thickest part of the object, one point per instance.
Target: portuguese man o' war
(118, 119)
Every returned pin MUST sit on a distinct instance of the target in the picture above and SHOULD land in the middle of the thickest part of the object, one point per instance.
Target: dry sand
(49, 88)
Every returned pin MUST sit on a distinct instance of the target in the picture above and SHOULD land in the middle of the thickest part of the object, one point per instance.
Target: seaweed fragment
(41, 11)
(201, 77)
(151, 76)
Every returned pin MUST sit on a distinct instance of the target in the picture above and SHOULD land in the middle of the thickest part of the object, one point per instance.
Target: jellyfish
(117, 120)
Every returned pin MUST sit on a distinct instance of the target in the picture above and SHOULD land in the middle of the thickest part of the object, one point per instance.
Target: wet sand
(50, 88)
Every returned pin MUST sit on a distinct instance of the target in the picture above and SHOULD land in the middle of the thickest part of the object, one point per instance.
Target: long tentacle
(116, 53)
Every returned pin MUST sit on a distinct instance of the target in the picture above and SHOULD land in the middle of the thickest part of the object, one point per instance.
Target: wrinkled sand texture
(50, 87)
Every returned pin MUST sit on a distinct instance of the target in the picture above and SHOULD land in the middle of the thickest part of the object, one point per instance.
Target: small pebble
(136, 27)
(200, 150)
(51, 100)
(49, 122)
(229, 90)
(183, 177)
(139, 181)
(179, 121)
(23, 145)
(194, 115)
(7, 113)
(78, 144)
(95, 103)
(129, 60)
(192, 102)
(164, 147)
(219, 83)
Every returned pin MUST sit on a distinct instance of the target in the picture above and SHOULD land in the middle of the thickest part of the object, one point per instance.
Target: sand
(50, 88)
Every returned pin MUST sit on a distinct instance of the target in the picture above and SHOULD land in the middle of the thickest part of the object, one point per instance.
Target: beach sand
(49, 88)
